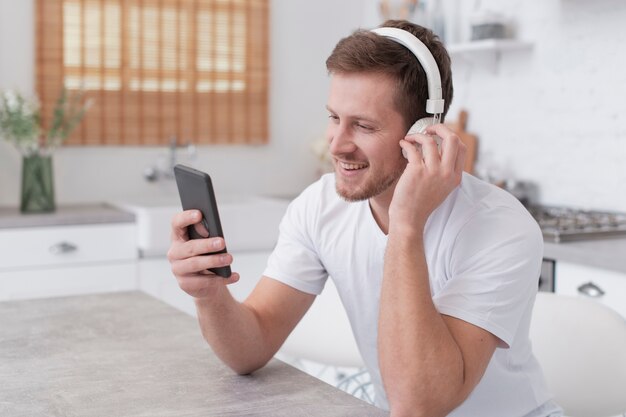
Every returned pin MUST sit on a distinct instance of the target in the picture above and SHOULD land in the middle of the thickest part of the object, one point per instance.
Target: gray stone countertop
(607, 253)
(127, 354)
(10, 217)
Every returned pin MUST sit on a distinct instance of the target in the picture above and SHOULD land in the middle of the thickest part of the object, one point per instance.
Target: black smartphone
(196, 192)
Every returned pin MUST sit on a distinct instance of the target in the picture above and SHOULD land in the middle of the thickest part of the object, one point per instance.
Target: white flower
(11, 100)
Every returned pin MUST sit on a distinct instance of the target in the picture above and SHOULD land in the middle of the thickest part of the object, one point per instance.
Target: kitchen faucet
(154, 173)
(170, 170)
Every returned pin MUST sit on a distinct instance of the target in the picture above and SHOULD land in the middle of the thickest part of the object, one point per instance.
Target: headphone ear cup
(421, 125)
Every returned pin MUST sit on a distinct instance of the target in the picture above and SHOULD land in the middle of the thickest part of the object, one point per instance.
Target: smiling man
(363, 129)
(437, 270)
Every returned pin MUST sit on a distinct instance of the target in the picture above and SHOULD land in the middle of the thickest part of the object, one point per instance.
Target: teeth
(348, 166)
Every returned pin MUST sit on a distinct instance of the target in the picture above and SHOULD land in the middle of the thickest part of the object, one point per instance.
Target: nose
(340, 140)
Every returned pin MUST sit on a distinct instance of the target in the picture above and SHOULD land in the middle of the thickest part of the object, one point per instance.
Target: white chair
(324, 334)
(581, 345)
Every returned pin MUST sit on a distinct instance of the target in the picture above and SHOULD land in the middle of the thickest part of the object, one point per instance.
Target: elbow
(433, 405)
(409, 410)
(247, 368)
(418, 411)
(243, 371)
(402, 412)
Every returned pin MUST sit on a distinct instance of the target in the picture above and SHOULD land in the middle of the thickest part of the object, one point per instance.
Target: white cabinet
(156, 279)
(67, 260)
(65, 245)
(607, 287)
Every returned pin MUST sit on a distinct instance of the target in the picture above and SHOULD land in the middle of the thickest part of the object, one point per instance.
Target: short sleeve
(493, 271)
(295, 260)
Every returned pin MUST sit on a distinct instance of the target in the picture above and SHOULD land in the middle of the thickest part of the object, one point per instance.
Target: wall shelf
(488, 46)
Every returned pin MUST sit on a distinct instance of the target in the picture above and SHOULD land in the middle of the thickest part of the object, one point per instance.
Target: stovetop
(563, 224)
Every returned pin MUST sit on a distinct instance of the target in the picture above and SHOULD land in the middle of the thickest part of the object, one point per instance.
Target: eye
(333, 118)
(365, 127)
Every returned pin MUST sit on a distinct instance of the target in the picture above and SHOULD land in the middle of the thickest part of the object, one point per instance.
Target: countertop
(127, 354)
(607, 253)
(10, 217)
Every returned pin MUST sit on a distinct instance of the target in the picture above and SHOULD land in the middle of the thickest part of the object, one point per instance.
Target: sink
(250, 223)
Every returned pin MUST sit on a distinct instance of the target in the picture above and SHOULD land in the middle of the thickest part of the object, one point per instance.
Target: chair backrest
(581, 345)
(324, 334)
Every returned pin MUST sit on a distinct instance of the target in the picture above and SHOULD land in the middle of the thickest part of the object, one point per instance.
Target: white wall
(552, 115)
(302, 36)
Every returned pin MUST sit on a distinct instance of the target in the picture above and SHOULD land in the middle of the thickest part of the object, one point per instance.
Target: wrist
(407, 221)
(410, 232)
(210, 298)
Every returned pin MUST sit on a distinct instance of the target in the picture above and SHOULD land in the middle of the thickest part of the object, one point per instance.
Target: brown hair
(365, 51)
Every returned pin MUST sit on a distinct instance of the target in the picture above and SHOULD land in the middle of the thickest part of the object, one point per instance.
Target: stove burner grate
(561, 224)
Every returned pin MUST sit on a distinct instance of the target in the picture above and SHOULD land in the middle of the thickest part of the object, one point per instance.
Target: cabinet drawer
(66, 245)
(62, 281)
(607, 287)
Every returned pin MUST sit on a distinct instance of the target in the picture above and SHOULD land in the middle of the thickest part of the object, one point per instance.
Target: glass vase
(37, 184)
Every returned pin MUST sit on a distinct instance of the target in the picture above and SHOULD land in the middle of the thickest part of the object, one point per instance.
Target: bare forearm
(233, 332)
(421, 365)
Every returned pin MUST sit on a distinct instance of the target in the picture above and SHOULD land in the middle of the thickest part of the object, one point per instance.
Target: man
(437, 270)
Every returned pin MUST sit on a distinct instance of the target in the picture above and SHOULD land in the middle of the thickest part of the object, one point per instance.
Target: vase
(37, 184)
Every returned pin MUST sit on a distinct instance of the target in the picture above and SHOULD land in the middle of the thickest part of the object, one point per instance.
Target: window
(196, 70)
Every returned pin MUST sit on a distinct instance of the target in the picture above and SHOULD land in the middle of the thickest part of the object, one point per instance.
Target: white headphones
(435, 102)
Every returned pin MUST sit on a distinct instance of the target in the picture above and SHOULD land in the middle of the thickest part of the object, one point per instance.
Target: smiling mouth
(351, 166)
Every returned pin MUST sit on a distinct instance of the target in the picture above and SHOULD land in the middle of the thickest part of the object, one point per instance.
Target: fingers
(181, 221)
(202, 276)
(198, 265)
(195, 247)
(191, 259)
(453, 151)
(460, 158)
(410, 151)
(200, 286)
(440, 130)
(201, 229)
(428, 152)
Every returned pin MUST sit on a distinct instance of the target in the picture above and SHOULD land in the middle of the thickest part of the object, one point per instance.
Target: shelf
(488, 45)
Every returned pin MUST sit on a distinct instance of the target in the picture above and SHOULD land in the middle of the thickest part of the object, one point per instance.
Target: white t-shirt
(483, 252)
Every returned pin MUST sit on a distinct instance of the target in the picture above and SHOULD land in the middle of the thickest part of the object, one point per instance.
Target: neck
(380, 208)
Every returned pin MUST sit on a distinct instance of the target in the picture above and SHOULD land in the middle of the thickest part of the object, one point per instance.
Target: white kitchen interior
(548, 113)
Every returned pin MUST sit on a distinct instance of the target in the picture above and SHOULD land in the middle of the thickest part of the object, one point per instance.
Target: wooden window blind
(193, 69)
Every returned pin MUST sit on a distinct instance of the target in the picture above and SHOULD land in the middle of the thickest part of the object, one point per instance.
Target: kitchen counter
(11, 217)
(127, 354)
(607, 253)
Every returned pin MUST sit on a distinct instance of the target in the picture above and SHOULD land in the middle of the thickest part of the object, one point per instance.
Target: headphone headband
(435, 102)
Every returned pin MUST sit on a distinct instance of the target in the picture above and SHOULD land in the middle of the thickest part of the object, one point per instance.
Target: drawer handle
(591, 290)
(62, 248)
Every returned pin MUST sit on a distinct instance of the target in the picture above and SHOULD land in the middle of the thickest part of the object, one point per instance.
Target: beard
(373, 185)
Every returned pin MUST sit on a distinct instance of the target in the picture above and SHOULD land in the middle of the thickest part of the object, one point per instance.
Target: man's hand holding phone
(198, 252)
(190, 259)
